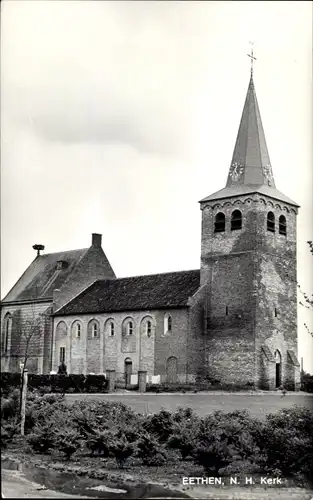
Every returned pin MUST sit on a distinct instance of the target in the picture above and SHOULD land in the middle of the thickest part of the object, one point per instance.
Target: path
(259, 404)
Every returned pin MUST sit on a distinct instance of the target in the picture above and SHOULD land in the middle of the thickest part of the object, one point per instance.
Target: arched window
(61, 330)
(167, 323)
(282, 225)
(93, 329)
(77, 329)
(6, 333)
(236, 220)
(219, 224)
(148, 328)
(271, 222)
(130, 328)
(111, 329)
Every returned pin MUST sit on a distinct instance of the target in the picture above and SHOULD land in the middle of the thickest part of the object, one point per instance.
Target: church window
(276, 312)
(6, 333)
(236, 220)
(271, 222)
(219, 224)
(169, 323)
(226, 312)
(148, 328)
(93, 329)
(282, 225)
(130, 328)
(112, 329)
(62, 354)
(78, 330)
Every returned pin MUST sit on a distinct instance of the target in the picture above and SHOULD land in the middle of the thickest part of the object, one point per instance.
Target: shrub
(120, 448)
(8, 431)
(9, 382)
(159, 424)
(288, 441)
(42, 438)
(99, 442)
(55, 383)
(9, 407)
(225, 438)
(307, 382)
(184, 432)
(68, 441)
(150, 451)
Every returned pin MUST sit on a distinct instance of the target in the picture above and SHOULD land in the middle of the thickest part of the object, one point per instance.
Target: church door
(128, 371)
(278, 369)
(171, 370)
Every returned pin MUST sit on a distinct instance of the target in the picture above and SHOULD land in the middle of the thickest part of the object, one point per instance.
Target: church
(233, 320)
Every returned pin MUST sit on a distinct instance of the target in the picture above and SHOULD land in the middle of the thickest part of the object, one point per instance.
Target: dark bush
(307, 383)
(288, 441)
(8, 431)
(55, 383)
(68, 441)
(225, 438)
(42, 438)
(160, 425)
(9, 381)
(99, 441)
(120, 448)
(10, 405)
(150, 451)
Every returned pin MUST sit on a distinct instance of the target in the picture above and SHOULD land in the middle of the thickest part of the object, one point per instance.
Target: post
(23, 405)
(111, 378)
(142, 381)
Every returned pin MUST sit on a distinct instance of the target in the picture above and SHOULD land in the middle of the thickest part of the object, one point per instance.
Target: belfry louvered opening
(236, 220)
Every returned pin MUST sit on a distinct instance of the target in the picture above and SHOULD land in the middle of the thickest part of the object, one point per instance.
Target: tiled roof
(42, 276)
(243, 189)
(155, 291)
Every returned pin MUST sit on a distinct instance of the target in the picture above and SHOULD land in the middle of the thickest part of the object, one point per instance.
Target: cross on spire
(252, 58)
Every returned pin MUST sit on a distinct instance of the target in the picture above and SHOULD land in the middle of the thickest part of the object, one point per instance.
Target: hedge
(56, 383)
(198, 387)
(307, 383)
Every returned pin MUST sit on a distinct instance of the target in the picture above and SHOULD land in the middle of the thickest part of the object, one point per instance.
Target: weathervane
(252, 58)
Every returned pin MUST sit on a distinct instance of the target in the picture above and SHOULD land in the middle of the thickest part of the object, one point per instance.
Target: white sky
(117, 117)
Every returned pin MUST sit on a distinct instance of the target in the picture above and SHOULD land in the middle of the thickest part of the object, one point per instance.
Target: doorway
(278, 369)
(171, 370)
(128, 367)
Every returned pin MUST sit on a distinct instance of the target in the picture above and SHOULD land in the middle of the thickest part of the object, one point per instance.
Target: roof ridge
(65, 251)
(147, 275)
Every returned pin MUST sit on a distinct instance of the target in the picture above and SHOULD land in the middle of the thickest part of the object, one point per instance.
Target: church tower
(248, 262)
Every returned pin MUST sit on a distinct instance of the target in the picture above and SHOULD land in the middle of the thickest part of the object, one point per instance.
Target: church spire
(251, 162)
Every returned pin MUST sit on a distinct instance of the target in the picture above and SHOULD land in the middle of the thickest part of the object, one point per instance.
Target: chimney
(38, 248)
(96, 240)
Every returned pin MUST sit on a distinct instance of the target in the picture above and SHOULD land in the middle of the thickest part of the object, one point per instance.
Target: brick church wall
(25, 319)
(251, 271)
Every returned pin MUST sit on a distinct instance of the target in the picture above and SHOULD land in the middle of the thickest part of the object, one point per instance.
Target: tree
(308, 299)
(31, 334)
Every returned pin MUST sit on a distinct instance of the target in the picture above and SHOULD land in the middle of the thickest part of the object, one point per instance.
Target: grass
(203, 403)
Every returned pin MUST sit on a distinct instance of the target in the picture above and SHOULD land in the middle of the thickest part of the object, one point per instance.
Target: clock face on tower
(267, 172)
(236, 171)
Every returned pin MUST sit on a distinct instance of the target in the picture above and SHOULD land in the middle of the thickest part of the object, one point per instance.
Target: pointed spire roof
(250, 170)
(251, 162)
